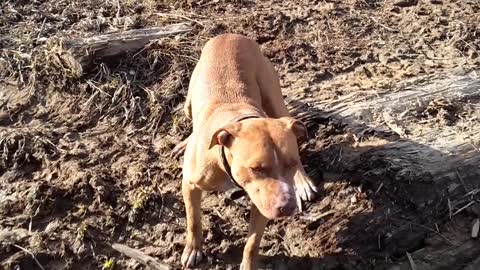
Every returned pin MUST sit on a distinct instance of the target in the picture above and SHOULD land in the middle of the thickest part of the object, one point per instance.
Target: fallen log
(421, 148)
(84, 50)
(448, 257)
(416, 143)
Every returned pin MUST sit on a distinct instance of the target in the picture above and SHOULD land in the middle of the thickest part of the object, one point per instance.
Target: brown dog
(242, 135)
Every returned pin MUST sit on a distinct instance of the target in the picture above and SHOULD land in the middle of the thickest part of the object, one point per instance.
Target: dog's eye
(257, 169)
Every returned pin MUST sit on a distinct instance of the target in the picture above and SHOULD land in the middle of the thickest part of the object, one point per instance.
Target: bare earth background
(84, 155)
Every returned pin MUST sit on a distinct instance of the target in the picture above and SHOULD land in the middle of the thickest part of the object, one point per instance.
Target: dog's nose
(287, 210)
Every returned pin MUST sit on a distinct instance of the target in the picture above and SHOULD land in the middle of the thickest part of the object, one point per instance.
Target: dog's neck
(238, 191)
(228, 112)
(222, 155)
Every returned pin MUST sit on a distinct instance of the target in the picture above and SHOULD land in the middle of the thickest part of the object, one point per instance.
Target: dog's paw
(304, 186)
(248, 265)
(179, 149)
(191, 256)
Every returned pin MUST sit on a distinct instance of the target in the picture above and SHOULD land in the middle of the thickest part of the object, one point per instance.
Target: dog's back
(226, 73)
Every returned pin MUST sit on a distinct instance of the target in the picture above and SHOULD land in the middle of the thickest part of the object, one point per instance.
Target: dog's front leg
(192, 254)
(255, 233)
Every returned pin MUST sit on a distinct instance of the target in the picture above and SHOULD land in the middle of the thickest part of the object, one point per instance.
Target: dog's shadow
(401, 199)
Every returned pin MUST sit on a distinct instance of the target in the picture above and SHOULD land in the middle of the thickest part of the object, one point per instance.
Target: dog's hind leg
(271, 93)
(187, 109)
(179, 149)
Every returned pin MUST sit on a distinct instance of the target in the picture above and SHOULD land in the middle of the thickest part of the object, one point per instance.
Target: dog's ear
(224, 135)
(297, 127)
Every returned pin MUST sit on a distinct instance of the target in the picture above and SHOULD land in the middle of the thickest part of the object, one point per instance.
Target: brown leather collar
(223, 157)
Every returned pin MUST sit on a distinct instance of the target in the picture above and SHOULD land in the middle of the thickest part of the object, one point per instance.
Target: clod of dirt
(405, 3)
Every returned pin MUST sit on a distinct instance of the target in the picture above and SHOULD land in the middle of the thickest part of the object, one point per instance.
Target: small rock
(452, 187)
(404, 3)
(476, 228)
(328, 186)
(353, 199)
(324, 203)
(52, 226)
(341, 206)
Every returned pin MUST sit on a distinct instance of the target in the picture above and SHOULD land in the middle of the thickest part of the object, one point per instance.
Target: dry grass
(140, 88)
(19, 146)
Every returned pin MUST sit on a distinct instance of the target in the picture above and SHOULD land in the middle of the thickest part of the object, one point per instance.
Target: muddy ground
(85, 153)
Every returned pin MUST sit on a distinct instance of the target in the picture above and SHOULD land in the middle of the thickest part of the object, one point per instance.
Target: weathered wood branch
(445, 257)
(424, 150)
(111, 44)
(141, 257)
(422, 140)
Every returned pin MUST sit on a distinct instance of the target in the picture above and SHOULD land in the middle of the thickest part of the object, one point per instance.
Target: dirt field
(85, 153)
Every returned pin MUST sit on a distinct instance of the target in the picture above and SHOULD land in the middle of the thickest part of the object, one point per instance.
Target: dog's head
(263, 156)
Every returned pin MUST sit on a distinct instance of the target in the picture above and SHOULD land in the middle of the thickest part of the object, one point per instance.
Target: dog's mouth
(277, 206)
(270, 210)
(273, 202)
(279, 212)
